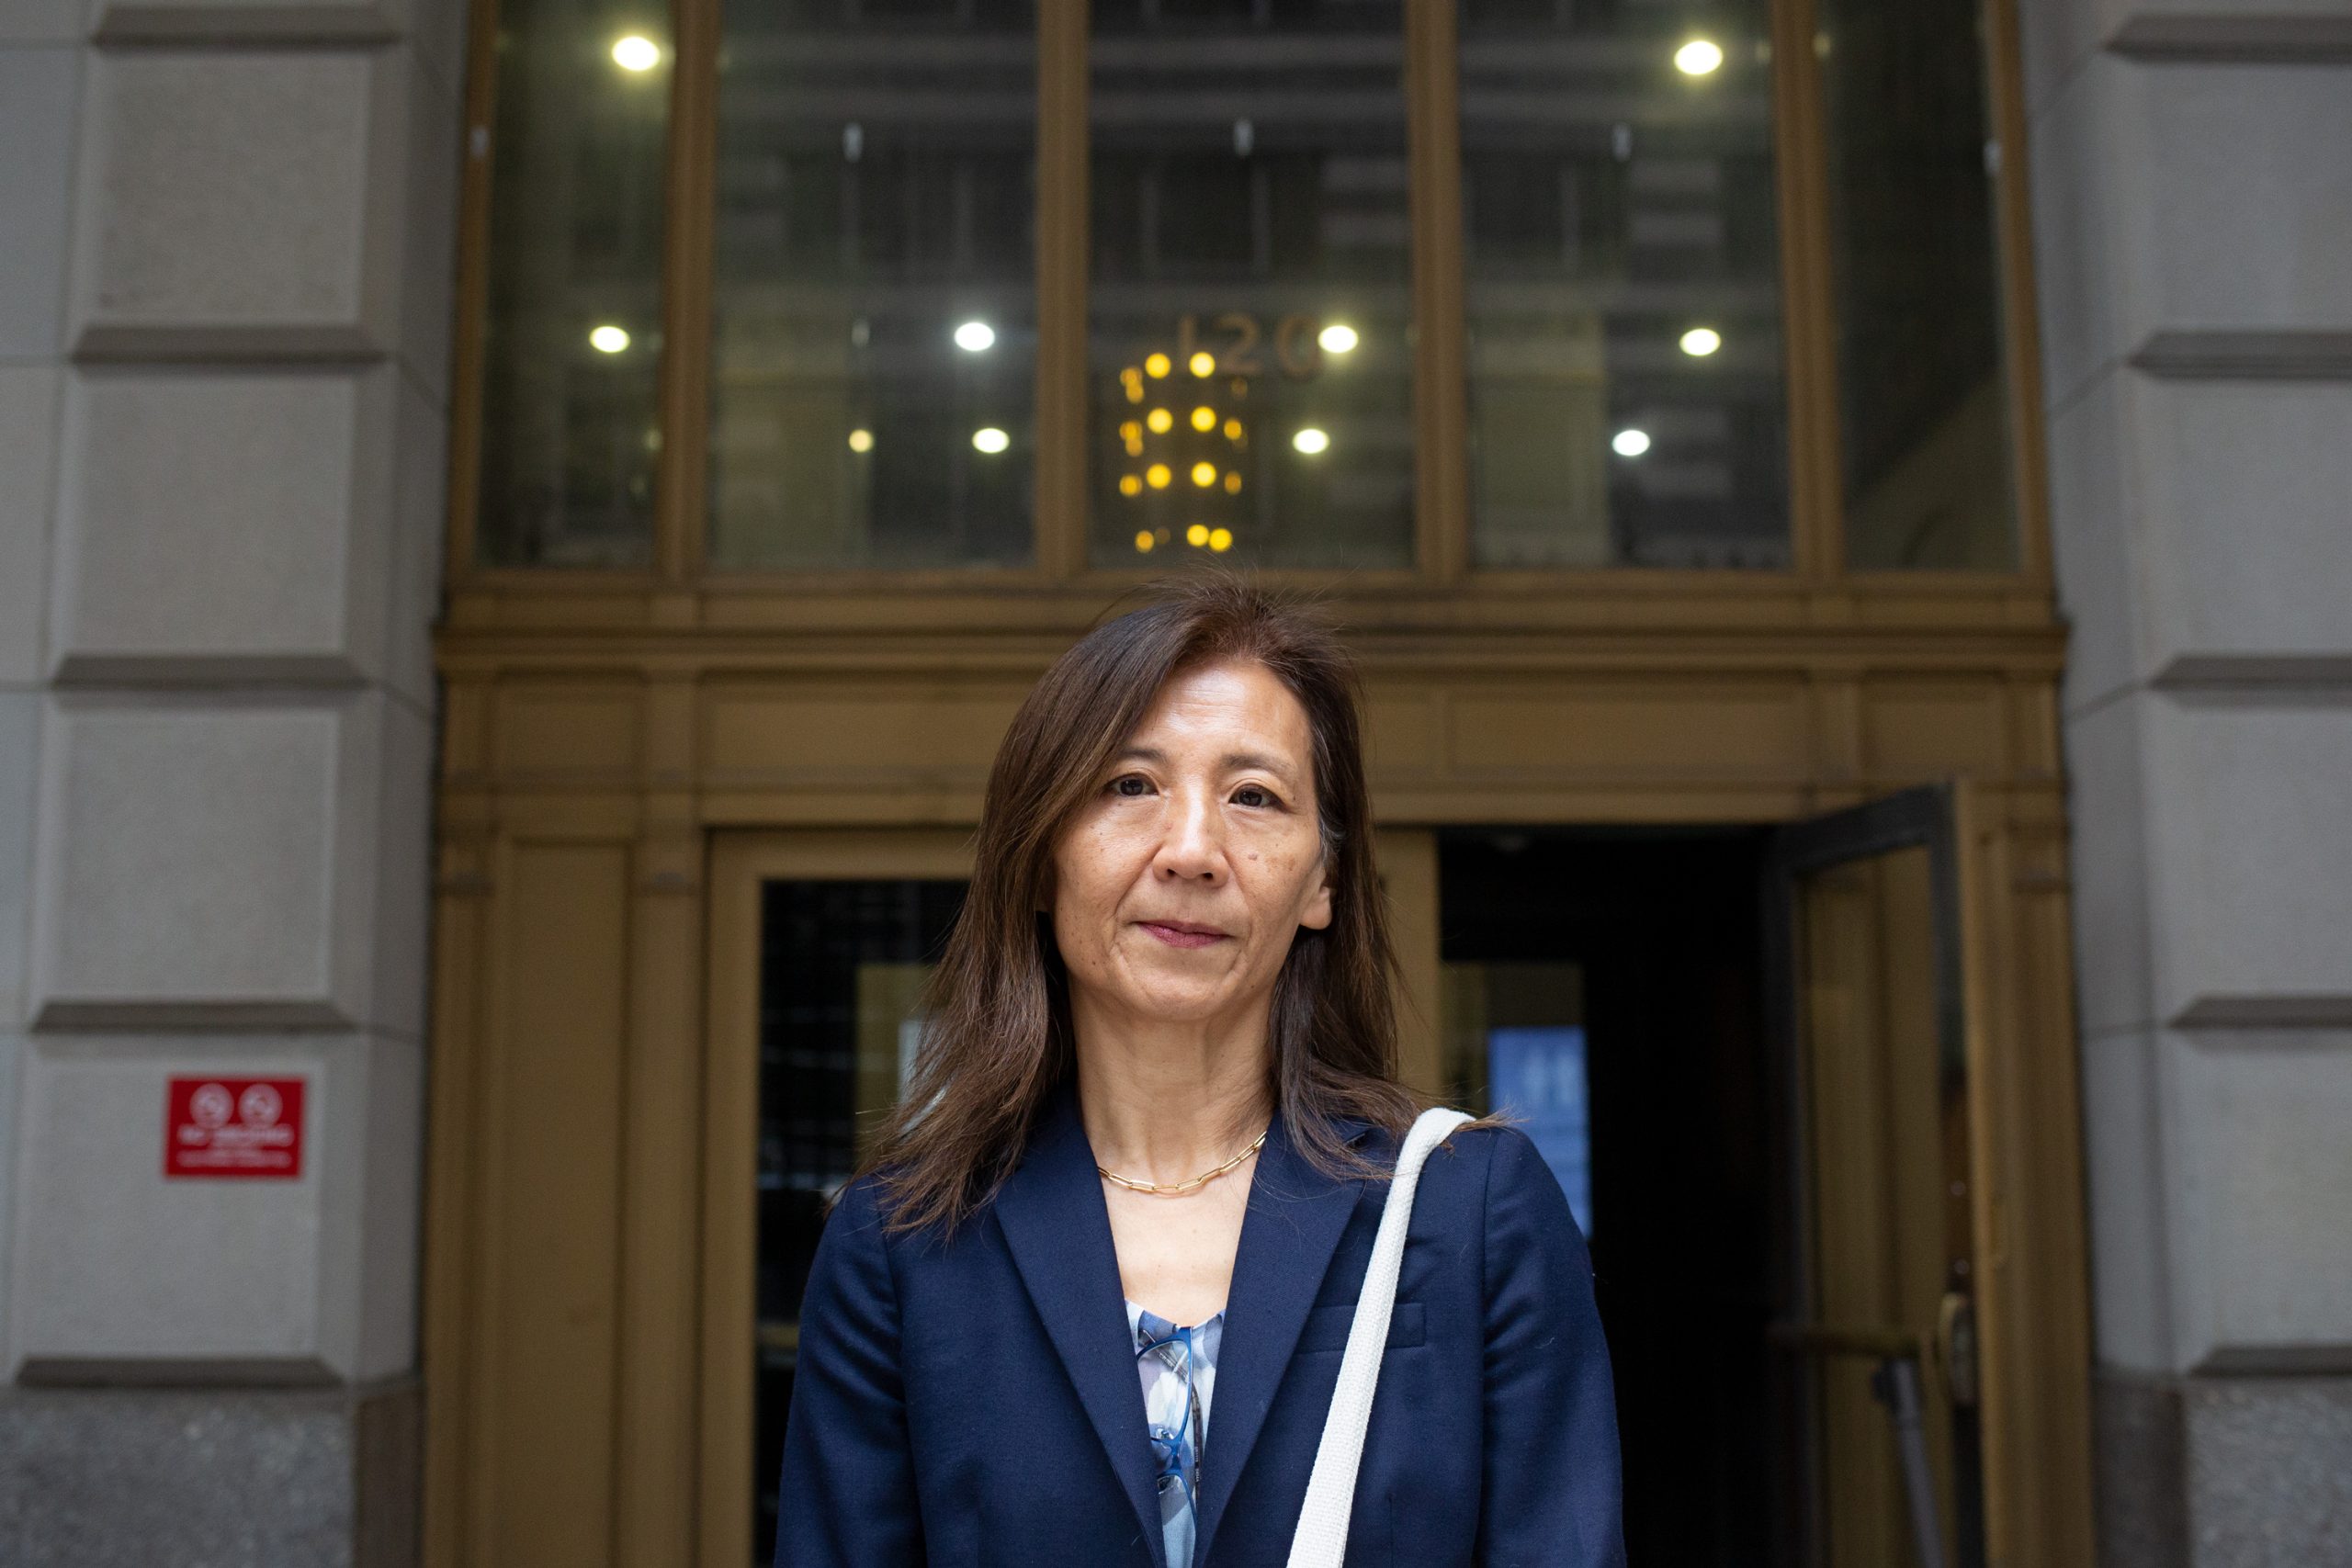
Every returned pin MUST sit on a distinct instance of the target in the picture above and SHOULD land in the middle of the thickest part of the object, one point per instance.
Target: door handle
(1956, 1346)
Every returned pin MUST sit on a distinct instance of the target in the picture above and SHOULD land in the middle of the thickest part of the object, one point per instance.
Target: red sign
(233, 1127)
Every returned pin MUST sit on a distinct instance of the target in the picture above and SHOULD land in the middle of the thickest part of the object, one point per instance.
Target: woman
(1084, 1304)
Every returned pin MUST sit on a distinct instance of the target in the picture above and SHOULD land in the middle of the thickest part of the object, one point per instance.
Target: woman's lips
(1175, 938)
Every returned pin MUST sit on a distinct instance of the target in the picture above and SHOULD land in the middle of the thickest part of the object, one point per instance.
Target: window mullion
(1440, 405)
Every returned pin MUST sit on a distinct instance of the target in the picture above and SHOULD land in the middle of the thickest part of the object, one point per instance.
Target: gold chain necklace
(1132, 1185)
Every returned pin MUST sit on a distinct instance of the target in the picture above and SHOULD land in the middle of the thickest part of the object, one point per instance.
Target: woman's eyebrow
(1233, 760)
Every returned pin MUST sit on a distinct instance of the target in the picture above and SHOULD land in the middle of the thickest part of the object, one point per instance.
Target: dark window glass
(572, 338)
(1623, 285)
(1249, 349)
(874, 315)
(1922, 391)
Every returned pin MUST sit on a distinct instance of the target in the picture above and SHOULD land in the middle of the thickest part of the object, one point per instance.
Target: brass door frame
(1994, 879)
(740, 861)
(740, 864)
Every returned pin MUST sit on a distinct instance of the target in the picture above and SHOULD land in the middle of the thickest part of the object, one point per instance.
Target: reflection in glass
(1514, 1041)
(573, 335)
(841, 966)
(873, 318)
(1248, 352)
(1924, 402)
(1623, 292)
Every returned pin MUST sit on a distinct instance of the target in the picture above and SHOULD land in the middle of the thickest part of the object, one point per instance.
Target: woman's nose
(1193, 844)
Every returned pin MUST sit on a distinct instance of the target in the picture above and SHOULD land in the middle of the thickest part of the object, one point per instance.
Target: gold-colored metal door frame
(740, 863)
(1979, 1288)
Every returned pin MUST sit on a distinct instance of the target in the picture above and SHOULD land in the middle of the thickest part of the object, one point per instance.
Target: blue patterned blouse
(1178, 1370)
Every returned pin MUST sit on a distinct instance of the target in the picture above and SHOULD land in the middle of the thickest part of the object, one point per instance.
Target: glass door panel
(1881, 1281)
(840, 966)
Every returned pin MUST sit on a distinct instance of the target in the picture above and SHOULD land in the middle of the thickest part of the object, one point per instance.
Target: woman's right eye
(1128, 779)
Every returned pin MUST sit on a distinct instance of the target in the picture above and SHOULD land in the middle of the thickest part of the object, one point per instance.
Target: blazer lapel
(1288, 1235)
(1054, 1221)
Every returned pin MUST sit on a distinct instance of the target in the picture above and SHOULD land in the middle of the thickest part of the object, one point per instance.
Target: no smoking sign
(233, 1127)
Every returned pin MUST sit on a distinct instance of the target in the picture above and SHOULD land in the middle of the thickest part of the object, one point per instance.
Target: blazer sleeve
(1552, 1495)
(847, 1498)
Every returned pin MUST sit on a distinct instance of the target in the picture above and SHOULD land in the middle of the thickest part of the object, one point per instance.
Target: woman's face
(1205, 818)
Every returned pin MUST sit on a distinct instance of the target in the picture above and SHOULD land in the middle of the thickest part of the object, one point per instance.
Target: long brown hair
(998, 1034)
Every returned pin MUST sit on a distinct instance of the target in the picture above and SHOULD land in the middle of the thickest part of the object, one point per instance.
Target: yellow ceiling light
(1699, 57)
(1161, 420)
(1130, 485)
(1311, 441)
(861, 440)
(1157, 476)
(1233, 430)
(1701, 341)
(1338, 338)
(1156, 367)
(1144, 541)
(1220, 538)
(1204, 419)
(991, 440)
(608, 339)
(1233, 482)
(637, 52)
(1203, 364)
(1197, 534)
(1204, 474)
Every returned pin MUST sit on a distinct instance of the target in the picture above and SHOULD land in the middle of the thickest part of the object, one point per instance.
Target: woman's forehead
(1231, 701)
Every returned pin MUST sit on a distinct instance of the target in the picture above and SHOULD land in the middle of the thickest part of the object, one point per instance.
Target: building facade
(524, 527)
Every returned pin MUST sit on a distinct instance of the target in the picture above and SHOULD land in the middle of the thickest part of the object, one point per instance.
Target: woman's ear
(1317, 916)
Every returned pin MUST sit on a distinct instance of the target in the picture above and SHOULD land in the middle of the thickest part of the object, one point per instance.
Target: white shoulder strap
(1322, 1537)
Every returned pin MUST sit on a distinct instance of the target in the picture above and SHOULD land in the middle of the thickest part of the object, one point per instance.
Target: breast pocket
(1326, 1326)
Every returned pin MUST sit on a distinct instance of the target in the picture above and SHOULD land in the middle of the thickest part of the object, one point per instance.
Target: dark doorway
(1623, 969)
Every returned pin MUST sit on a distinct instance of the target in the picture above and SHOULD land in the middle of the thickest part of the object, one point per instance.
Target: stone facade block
(2204, 533)
(120, 1274)
(236, 525)
(2269, 1472)
(43, 21)
(2261, 1197)
(2142, 204)
(29, 396)
(2125, 1161)
(2107, 819)
(2249, 864)
(37, 89)
(2241, 544)
(2094, 496)
(228, 864)
(223, 1478)
(239, 205)
(20, 782)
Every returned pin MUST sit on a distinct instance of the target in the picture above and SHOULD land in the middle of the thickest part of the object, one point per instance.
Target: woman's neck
(1164, 1103)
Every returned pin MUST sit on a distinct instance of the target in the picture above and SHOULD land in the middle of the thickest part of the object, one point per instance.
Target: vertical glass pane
(1923, 395)
(1248, 343)
(1627, 401)
(841, 966)
(873, 318)
(573, 339)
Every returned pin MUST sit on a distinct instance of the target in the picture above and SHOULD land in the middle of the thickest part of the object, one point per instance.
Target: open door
(1932, 1345)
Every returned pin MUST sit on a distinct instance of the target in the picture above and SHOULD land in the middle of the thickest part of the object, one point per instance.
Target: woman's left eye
(1265, 797)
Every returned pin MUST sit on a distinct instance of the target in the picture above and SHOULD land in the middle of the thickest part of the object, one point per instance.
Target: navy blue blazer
(974, 1403)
